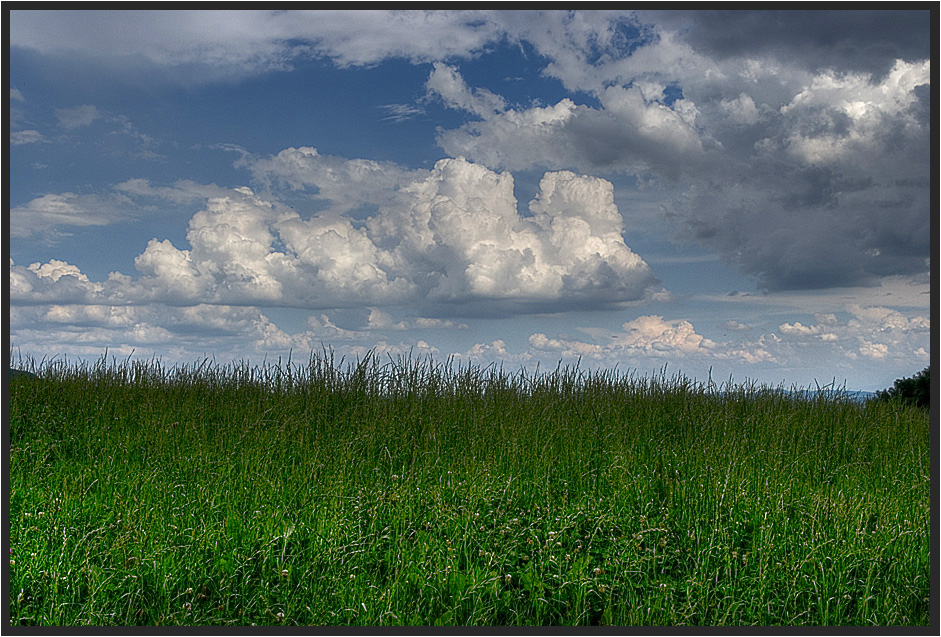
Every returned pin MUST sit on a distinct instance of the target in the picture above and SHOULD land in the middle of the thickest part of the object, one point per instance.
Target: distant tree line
(915, 390)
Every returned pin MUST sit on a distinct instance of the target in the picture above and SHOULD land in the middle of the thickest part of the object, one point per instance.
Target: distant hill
(859, 396)
(19, 373)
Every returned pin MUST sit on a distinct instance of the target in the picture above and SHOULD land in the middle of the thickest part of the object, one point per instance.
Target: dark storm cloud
(821, 172)
(798, 227)
(847, 40)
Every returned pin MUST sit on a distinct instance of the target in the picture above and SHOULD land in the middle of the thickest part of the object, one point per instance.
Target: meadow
(412, 492)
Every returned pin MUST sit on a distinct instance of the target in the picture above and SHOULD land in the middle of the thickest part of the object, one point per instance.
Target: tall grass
(411, 492)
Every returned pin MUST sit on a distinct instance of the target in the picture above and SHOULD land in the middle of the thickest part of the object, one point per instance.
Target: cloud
(45, 216)
(381, 320)
(367, 37)
(117, 136)
(741, 110)
(53, 282)
(830, 190)
(873, 350)
(49, 216)
(799, 329)
(628, 134)
(219, 44)
(450, 237)
(77, 117)
(345, 184)
(183, 333)
(886, 320)
(652, 333)
(183, 191)
(401, 112)
(462, 218)
(28, 136)
(645, 335)
(650, 338)
(867, 41)
(874, 332)
(446, 83)
(496, 351)
(223, 45)
(843, 115)
(735, 326)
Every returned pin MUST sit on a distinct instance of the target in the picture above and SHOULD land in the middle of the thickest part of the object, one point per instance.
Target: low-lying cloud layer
(891, 339)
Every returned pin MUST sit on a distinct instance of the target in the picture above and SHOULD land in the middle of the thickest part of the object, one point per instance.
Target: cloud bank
(450, 237)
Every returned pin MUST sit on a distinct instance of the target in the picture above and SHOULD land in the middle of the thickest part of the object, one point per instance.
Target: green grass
(417, 493)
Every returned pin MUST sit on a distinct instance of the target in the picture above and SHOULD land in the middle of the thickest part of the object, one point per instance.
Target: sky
(741, 195)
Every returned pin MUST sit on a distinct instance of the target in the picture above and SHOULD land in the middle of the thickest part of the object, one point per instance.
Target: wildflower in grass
(284, 573)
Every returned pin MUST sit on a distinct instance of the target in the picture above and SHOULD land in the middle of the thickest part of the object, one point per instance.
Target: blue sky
(634, 189)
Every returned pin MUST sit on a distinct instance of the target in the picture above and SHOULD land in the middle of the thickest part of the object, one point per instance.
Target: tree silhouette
(915, 390)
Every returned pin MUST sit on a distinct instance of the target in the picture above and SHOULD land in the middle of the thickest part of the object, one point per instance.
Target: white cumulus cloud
(452, 235)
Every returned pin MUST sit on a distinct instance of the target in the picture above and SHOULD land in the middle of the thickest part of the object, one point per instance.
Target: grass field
(421, 493)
